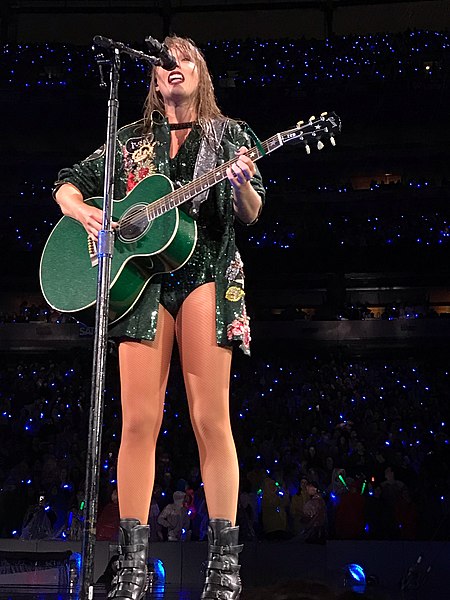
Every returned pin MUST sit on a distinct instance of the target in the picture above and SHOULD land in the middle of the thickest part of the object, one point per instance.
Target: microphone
(105, 42)
(165, 60)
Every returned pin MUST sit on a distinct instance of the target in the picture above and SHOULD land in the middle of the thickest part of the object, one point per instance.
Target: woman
(201, 304)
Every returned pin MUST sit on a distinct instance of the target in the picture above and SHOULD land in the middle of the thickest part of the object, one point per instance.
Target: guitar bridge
(93, 251)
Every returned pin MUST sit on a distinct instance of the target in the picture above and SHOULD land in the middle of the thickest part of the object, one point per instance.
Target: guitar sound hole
(133, 224)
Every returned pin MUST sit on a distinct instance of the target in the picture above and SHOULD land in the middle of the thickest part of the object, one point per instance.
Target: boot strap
(124, 593)
(121, 563)
(226, 549)
(127, 585)
(220, 595)
(214, 578)
(118, 549)
(130, 576)
(224, 565)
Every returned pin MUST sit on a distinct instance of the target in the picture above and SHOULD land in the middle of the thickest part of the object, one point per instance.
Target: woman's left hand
(241, 171)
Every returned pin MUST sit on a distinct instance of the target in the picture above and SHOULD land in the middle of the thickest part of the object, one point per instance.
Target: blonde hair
(205, 101)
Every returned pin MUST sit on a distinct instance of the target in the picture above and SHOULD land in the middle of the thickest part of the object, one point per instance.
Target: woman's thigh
(144, 369)
(206, 366)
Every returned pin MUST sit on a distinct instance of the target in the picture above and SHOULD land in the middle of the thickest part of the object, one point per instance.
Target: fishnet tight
(144, 369)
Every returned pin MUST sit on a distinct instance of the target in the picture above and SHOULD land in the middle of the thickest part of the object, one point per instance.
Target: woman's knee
(140, 425)
(212, 428)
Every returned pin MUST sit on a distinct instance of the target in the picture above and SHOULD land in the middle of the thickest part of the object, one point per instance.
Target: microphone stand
(105, 254)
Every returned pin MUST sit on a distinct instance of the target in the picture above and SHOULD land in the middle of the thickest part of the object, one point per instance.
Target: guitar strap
(206, 160)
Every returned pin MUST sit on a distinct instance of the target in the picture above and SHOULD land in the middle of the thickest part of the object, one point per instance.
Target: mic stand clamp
(101, 61)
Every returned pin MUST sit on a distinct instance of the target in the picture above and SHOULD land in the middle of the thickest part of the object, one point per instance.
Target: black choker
(175, 126)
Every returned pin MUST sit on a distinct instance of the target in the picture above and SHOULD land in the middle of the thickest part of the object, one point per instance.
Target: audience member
(314, 516)
(174, 517)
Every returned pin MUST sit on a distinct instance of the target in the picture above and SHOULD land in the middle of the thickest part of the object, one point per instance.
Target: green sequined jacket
(215, 258)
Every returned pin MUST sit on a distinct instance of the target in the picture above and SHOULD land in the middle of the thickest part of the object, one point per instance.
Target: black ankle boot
(222, 571)
(130, 581)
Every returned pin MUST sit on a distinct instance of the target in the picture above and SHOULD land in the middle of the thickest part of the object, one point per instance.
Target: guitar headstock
(314, 132)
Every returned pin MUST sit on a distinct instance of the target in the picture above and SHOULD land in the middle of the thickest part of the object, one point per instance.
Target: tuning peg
(324, 114)
(332, 141)
(300, 123)
(320, 145)
(313, 118)
(308, 149)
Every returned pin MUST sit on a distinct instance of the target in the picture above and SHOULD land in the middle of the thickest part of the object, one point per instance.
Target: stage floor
(263, 564)
(169, 592)
(27, 592)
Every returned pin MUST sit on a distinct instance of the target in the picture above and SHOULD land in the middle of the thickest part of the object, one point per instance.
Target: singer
(201, 305)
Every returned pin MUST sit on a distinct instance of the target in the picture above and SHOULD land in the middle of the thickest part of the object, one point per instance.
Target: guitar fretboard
(206, 181)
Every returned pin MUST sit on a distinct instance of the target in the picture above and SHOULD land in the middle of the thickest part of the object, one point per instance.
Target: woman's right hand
(72, 204)
(90, 217)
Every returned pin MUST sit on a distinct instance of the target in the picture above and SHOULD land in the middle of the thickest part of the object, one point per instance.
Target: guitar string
(179, 196)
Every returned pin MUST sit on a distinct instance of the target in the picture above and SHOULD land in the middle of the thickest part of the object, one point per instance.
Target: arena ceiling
(188, 5)
(76, 21)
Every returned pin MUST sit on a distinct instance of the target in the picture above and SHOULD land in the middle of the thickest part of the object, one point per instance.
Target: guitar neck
(326, 126)
(206, 181)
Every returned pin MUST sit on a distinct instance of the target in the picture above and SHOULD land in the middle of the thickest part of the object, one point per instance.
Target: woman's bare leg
(144, 369)
(206, 370)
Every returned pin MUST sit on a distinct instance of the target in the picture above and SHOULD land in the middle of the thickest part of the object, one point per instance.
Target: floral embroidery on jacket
(235, 270)
(239, 329)
(138, 161)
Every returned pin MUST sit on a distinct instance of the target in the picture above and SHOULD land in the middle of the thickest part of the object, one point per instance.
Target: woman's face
(181, 84)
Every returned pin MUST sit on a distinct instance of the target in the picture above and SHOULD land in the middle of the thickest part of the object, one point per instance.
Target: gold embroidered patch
(146, 151)
(234, 293)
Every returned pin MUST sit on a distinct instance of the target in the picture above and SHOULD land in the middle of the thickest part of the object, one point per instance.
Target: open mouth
(175, 77)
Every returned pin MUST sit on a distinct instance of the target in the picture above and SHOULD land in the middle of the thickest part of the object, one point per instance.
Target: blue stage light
(356, 572)
(158, 574)
(355, 578)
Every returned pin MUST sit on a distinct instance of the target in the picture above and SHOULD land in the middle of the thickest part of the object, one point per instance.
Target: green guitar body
(142, 249)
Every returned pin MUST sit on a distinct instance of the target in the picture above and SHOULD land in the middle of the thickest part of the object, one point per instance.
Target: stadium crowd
(329, 447)
(412, 56)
